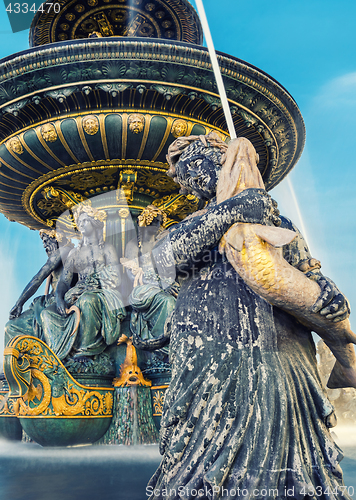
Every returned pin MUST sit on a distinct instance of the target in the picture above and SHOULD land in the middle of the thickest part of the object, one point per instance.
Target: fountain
(88, 113)
(87, 116)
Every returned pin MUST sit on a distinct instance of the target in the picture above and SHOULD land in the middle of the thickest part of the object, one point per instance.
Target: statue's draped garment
(245, 407)
(101, 313)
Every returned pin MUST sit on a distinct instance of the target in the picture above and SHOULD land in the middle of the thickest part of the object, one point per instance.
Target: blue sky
(309, 47)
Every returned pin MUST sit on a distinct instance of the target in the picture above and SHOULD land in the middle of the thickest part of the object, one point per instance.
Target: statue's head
(52, 239)
(195, 163)
(15, 145)
(136, 123)
(179, 128)
(88, 220)
(90, 124)
(48, 132)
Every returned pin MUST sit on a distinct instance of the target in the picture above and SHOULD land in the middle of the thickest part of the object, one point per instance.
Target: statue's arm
(31, 288)
(188, 240)
(331, 303)
(131, 253)
(112, 262)
(64, 283)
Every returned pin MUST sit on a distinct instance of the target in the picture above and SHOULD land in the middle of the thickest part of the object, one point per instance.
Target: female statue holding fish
(245, 408)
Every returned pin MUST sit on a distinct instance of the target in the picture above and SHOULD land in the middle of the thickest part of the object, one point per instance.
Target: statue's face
(90, 125)
(179, 128)
(136, 123)
(16, 145)
(49, 133)
(49, 244)
(85, 224)
(198, 175)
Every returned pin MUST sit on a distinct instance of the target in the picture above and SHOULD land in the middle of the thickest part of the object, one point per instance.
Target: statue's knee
(171, 302)
(88, 301)
(43, 315)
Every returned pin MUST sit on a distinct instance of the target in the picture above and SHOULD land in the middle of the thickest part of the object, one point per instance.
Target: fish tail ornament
(255, 253)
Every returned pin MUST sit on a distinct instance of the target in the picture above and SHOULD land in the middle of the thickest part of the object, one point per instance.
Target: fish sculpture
(255, 252)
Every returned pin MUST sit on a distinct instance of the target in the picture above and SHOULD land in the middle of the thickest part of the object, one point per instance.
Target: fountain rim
(143, 40)
(238, 73)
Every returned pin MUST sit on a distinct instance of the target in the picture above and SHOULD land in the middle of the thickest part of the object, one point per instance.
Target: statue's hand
(61, 307)
(173, 289)
(331, 302)
(15, 311)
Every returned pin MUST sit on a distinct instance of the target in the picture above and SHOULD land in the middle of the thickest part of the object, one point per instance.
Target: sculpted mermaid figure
(245, 410)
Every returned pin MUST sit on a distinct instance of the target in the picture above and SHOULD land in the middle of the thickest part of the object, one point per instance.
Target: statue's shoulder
(288, 224)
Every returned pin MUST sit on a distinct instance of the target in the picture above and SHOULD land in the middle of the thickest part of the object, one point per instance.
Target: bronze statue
(254, 252)
(152, 298)
(95, 294)
(28, 323)
(245, 410)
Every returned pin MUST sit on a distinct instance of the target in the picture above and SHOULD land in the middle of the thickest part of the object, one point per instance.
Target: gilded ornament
(126, 186)
(145, 29)
(57, 200)
(82, 402)
(90, 124)
(136, 123)
(179, 128)
(70, 16)
(48, 132)
(119, 15)
(177, 205)
(91, 211)
(149, 213)
(50, 207)
(15, 145)
(158, 400)
(124, 213)
(92, 3)
(52, 233)
(57, 394)
(159, 182)
(130, 372)
(79, 8)
(150, 7)
(88, 179)
(95, 34)
(41, 392)
(103, 23)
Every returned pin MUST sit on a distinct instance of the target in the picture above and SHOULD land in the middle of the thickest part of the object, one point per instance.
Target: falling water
(299, 213)
(216, 69)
